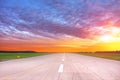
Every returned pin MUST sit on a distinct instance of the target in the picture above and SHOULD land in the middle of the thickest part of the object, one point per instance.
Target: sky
(60, 25)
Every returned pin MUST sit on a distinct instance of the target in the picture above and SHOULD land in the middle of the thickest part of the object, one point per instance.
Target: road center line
(60, 70)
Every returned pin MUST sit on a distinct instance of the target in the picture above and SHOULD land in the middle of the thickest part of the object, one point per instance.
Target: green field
(113, 56)
(7, 56)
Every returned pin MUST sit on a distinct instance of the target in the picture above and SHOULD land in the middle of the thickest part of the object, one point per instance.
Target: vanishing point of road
(64, 66)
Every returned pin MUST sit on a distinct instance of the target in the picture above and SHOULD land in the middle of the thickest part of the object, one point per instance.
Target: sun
(111, 34)
(106, 38)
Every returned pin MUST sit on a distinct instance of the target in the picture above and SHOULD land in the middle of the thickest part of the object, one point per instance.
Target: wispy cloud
(85, 19)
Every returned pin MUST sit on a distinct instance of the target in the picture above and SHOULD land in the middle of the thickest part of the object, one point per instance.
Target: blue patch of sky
(52, 13)
(48, 12)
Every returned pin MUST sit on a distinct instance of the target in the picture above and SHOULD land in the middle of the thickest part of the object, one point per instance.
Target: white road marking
(60, 70)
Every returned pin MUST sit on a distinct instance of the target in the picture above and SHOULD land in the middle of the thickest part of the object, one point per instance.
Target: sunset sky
(60, 25)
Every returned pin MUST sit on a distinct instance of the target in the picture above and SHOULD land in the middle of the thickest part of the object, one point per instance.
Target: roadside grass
(8, 56)
(113, 56)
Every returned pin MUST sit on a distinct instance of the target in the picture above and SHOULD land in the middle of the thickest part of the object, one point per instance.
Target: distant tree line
(18, 52)
(107, 52)
(102, 52)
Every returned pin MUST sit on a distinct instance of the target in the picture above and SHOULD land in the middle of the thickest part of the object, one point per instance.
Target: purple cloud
(55, 18)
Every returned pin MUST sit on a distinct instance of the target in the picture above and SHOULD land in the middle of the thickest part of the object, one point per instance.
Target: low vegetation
(113, 56)
(7, 56)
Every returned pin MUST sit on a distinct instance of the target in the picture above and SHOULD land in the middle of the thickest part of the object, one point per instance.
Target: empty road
(64, 66)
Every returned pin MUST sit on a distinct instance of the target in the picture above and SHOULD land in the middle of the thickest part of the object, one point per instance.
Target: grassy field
(113, 56)
(7, 56)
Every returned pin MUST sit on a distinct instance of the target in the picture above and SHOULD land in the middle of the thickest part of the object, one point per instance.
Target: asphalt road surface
(64, 66)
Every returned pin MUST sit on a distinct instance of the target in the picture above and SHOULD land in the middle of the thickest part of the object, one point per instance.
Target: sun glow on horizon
(106, 38)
